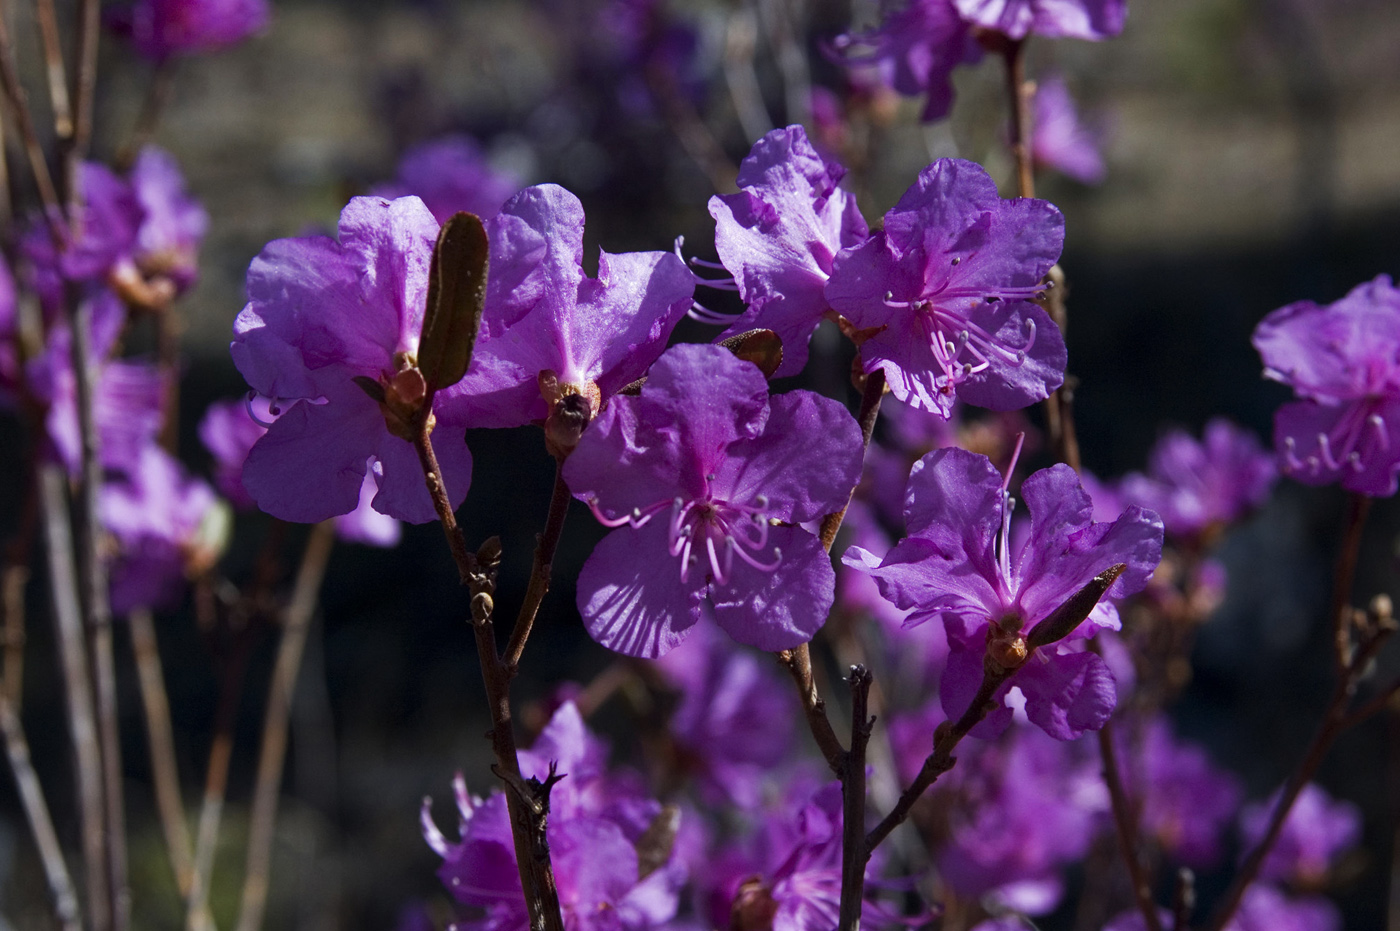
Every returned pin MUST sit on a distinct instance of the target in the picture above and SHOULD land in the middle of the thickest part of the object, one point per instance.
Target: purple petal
(403, 492)
(631, 595)
(1067, 694)
(782, 608)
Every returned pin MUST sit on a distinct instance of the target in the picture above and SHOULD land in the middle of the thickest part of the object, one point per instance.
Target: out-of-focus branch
(1126, 829)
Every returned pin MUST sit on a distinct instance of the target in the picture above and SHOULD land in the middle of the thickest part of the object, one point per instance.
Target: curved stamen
(272, 409)
(761, 566)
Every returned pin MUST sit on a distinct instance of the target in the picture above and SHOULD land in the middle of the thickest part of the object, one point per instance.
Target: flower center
(1358, 434)
(960, 347)
(710, 529)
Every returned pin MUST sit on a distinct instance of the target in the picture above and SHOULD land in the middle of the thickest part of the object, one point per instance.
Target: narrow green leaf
(456, 298)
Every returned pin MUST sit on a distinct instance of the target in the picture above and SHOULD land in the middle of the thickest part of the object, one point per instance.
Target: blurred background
(1251, 153)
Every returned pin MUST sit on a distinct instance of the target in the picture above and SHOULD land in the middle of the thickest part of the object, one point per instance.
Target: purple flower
(161, 29)
(1315, 832)
(451, 174)
(915, 48)
(595, 837)
(320, 314)
(1027, 807)
(732, 723)
(957, 565)
(229, 430)
(167, 527)
(1265, 908)
(1344, 361)
(128, 397)
(1053, 19)
(102, 238)
(173, 226)
(731, 471)
(1196, 486)
(1059, 140)
(779, 235)
(549, 328)
(945, 289)
(1186, 802)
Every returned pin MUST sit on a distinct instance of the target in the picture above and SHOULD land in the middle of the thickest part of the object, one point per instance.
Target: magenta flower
(1027, 807)
(321, 313)
(102, 238)
(174, 223)
(451, 174)
(1316, 832)
(1343, 360)
(1059, 140)
(945, 289)
(958, 565)
(547, 322)
(166, 527)
(779, 235)
(1186, 801)
(730, 472)
(1052, 19)
(594, 830)
(1195, 486)
(915, 49)
(732, 721)
(162, 29)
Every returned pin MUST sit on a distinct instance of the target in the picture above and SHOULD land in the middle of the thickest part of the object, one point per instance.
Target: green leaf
(456, 298)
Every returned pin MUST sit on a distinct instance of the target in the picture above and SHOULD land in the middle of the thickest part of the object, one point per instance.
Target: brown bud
(1062, 622)
(761, 347)
(571, 409)
(754, 907)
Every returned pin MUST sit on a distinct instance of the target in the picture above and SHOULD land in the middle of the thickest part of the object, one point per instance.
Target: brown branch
(77, 682)
(854, 853)
(1358, 507)
(477, 571)
(945, 739)
(19, 110)
(54, 68)
(1126, 829)
(152, 108)
(156, 705)
(84, 93)
(869, 413)
(272, 754)
(798, 663)
(1335, 721)
(31, 795)
(1022, 93)
(545, 546)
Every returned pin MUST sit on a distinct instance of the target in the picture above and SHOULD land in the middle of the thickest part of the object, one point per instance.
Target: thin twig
(54, 68)
(31, 796)
(84, 92)
(1358, 507)
(853, 850)
(197, 915)
(156, 705)
(545, 546)
(1335, 721)
(1183, 899)
(19, 109)
(945, 740)
(477, 571)
(1021, 93)
(272, 754)
(77, 681)
(1126, 829)
(152, 108)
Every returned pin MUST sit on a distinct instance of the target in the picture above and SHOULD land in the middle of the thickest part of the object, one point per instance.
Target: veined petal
(631, 595)
(782, 608)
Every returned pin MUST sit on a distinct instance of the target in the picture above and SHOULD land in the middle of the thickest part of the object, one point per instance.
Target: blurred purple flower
(1343, 360)
(605, 882)
(779, 234)
(167, 526)
(174, 223)
(1196, 486)
(103, 237)
(451, 174)
(1028, 806)
(915, 49)
(547, 321)
(1059, 141)
(1186, 802)
(162, 29)
(1316, 831)
(733, 722)
(958, 565)
(944, 291)
(1265, 908)
(1052, 19)
(705, 446)
(320, 314)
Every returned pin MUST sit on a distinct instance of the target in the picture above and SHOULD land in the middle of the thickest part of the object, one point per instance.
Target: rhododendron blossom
(705, 476)
(942, 293)
(959, 565)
